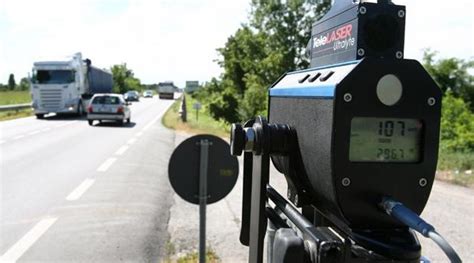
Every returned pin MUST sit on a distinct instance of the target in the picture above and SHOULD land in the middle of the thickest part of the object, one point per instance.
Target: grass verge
(456, 168)
(202, 123)
(14, 97)
(192, 257)
(14, 114)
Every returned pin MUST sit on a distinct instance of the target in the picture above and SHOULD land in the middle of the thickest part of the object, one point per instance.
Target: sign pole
(203, 199)
(195, 180)
(197, 107)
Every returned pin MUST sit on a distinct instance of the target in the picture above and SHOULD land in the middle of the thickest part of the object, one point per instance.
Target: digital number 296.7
(390, 154)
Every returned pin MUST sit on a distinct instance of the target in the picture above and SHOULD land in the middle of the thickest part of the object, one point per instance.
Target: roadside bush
(460, 161)
(457, 125)
(221, 100)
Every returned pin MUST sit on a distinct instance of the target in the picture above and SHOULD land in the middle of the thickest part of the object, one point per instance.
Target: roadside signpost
(197, 106)
(197, 182)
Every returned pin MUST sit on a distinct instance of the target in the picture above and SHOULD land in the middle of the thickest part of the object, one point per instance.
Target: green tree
(124, 79)
(132, 83)
(11, 82)
(457, 125)
(452, 74)
(221, 100)
(287, 25)
(272, 43)
(255, 99)
(24, 84)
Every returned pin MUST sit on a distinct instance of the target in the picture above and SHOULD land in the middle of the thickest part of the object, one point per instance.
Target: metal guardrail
(15, 107)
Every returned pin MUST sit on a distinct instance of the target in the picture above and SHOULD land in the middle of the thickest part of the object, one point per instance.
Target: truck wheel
(39, 116)
(120, 122)
(90, 122)
(128, 120)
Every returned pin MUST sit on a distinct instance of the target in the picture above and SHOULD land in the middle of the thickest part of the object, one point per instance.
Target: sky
(162, 40)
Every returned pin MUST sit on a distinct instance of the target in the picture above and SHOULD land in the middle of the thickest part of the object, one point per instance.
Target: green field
(14, 97)
(202, 123)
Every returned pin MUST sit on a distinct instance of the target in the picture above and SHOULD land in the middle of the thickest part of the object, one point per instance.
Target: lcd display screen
(385, 140)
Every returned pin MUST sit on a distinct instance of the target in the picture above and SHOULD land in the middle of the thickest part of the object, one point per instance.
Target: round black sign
(184, 169)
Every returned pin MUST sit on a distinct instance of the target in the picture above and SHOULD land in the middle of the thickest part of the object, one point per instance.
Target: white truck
(66, 86)
(166, 90)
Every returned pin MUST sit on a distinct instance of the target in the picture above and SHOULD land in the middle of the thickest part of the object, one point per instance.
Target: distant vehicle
(166, 90)
(148, 94)
(108, 107)
(132, 95)
(66, 86)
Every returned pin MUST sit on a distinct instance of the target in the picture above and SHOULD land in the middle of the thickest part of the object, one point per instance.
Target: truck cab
(56, 87)
(66, 86)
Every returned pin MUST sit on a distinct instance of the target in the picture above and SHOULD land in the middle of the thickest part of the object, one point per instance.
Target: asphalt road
(72, 192)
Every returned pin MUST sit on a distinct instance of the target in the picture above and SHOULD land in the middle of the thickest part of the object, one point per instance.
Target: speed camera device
(356, 136)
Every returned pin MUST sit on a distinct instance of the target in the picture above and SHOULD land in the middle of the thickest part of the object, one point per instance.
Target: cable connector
(406, 216)
(412, 220)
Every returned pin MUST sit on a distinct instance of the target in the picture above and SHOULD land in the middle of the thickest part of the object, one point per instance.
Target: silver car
(111, 107)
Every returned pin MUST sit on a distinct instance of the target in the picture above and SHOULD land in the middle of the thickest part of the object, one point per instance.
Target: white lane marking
(80, 190)
(121, 150)
(139, 134)
(147, 126)
(45, 129)
(152, 122)
(20, 247)
(132, 141)
(157, 117)
(18, 137)
(34, 132)
(65, 124)
(105, 166)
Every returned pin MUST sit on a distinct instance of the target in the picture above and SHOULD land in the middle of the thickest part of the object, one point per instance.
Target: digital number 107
(387, 128)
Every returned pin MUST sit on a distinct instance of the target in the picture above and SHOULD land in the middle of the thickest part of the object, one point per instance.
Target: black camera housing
(321, 117)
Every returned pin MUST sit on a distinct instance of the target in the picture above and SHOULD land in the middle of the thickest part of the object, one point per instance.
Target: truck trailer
(66, 86)
(166, 90)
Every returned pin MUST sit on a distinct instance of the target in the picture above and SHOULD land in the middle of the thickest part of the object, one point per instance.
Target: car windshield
(54, 76)
(111, 100)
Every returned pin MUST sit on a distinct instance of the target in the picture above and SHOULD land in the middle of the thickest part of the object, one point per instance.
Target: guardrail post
(182, 109)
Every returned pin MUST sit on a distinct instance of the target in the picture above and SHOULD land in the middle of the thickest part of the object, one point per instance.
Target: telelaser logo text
(340, 38)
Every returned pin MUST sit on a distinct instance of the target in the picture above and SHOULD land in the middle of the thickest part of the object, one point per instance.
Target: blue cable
(412, 220)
